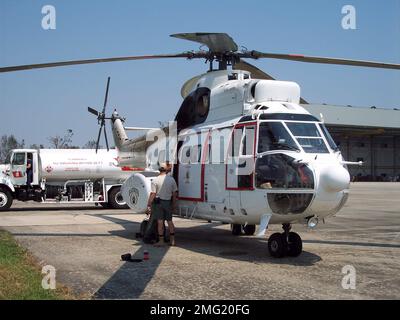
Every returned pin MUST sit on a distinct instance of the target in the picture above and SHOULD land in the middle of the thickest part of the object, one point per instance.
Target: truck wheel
(115, 199)
(105, 205)
(6, 199)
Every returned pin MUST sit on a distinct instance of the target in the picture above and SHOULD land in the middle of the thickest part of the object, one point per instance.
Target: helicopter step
(286, 243)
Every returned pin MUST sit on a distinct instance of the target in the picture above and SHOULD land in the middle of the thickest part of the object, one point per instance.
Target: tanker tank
(81, 164)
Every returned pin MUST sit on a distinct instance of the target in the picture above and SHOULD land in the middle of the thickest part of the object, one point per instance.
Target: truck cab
(14, 177)
(18, 162)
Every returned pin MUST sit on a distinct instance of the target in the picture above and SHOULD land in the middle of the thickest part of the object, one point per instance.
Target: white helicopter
(244, 151)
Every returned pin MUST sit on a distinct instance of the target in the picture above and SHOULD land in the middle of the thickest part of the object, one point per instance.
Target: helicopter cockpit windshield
(281, 170)
(278, 169)
(290, 135)
(274, 136)
(308, 136)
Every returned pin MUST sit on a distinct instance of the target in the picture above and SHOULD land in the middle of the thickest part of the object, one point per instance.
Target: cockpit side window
(328, 137)
(274, 136)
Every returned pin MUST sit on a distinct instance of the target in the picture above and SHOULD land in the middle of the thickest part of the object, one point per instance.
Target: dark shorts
(162, 210)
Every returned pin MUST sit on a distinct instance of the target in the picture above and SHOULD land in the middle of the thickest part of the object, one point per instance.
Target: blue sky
(41, 103)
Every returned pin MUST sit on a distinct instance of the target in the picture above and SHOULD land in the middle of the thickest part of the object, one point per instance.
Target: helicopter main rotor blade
(89, 61)
(257, 73)
(216, 42)
(324, 60)
(95, 112)
(106, 96)
(98, 139)
(105, 136)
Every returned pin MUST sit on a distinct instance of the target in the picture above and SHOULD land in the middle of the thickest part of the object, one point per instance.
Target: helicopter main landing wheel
(285, 244)
(249, 229)
(236, 229)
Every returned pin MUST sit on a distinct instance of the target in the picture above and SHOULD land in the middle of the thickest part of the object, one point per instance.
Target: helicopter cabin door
(240, 158)
(191, 167)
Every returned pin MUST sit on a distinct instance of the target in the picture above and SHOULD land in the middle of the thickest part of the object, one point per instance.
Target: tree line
(9, 142)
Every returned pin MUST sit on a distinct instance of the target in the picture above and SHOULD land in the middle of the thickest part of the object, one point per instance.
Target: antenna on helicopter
(101, 118)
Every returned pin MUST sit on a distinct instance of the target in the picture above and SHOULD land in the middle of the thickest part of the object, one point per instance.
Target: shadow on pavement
(131, 279)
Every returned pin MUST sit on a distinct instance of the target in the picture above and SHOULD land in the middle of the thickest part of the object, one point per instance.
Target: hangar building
(371, 135)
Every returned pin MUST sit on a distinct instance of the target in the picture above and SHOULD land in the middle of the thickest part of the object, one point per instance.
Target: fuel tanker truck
(63, 176)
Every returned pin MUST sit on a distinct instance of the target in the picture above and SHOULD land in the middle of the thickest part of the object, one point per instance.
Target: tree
(91, 144)
(36, 146)
(7, 143)
(58, 142)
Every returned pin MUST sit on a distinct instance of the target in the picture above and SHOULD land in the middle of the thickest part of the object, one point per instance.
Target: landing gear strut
(285, 244)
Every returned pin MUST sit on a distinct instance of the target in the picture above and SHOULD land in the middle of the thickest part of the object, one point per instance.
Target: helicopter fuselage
(245, 148)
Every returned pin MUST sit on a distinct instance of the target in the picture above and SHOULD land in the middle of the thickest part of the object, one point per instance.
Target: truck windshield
(18, 159)
(308, 136)
(274, 136)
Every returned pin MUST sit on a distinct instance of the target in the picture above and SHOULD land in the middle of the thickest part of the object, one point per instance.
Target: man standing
(162, 202)
(29, 171)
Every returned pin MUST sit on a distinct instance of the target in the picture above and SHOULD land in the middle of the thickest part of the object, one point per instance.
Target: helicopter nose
(334, 178)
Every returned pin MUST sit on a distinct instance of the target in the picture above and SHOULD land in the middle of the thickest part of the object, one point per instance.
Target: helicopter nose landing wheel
(294, 245)
(276, 245)
(285, 244)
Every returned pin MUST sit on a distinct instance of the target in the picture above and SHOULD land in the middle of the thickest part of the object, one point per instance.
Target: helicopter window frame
(282, 123)
(249, 134)
(219, 140)
(293, 129)
(192, 149)
(327, 149)
(236, 157)
(328, 137)
(235, 143)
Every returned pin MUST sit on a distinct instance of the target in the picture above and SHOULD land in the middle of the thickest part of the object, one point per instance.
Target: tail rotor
(101, 118)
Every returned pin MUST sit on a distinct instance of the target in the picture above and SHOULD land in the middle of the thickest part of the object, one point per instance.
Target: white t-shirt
(164, 186)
